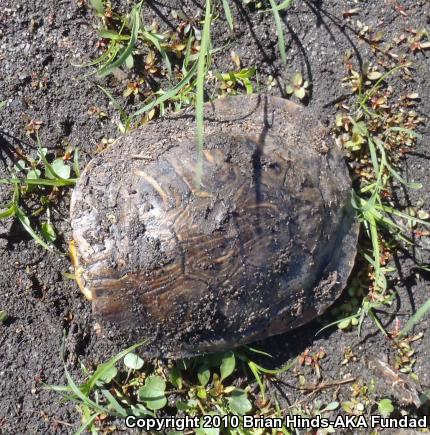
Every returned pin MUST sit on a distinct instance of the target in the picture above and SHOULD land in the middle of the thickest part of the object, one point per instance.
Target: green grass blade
(254, 369)
(38, 181)
(89, 421)
(105, 367)
(160, 49)
(9, 212)
(375, 245)
(125, 119)
(2, 104)
(25, 222)
(398, 213)
(200, 83)
(81, 396)
(284, 5)
(336, 322)
(416, 318)
(171, 93)
(112, 34)
(104, 58)
(395, 174)
(228, 15)
(377, 85)
(279, 31)
(114, 403)
(135, 19)
(99, 6)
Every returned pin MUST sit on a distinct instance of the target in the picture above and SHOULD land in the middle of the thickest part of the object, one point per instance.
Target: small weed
(376, 134)
(231, 82)
(197, 386)
(298, 87)
(36, 181)
(278, 25)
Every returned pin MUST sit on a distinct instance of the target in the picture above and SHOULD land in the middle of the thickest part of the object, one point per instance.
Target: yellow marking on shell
(209, 157)
(155, 185)
(79, 271)
(225, 257)
(262, 205)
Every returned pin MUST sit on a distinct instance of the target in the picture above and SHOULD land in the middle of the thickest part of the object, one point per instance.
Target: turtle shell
(262, 242)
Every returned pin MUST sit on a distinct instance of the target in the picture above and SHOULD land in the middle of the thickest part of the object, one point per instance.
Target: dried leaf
(374, 75)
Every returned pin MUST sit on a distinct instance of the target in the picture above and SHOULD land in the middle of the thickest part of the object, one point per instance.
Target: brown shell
(264, 245)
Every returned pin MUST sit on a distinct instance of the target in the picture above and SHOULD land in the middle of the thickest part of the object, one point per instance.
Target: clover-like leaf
(238, 402)
(33, 174)
(204, 374)
(60, 169)
(48, 231)
(385, 407)
(109, 374)
(297, 79)
(153, 393)
(300, 93)
(176, 377)
(133, 361)
(228, 364)
(20, 165)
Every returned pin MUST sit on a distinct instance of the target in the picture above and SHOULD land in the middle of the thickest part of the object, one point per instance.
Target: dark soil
(40, 41)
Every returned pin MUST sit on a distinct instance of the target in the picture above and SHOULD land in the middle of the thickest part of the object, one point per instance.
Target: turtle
(200, 251)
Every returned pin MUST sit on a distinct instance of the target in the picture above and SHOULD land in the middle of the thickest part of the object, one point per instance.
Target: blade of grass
(114, 403)
(160, 49)
(9, 212)
(25, 222)
(103, 368)
(127, 51)
(88, 423)
(98, 6)
(279, 31)
(125, 119)
(415, 319)
(81, 396)
(171, 93)
(228, 15)
(38, 181)
(200, 83)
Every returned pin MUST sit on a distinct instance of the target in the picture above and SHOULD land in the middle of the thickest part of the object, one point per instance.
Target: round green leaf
(33, 174)
(385, 407)
(152, 393)
(238, 402)
(109, 374)
(133, 361)
(176, 377)
(297, 79)
(203, 374)
(228, 364)
(48, 232)
(60, 169)
(300, 92)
